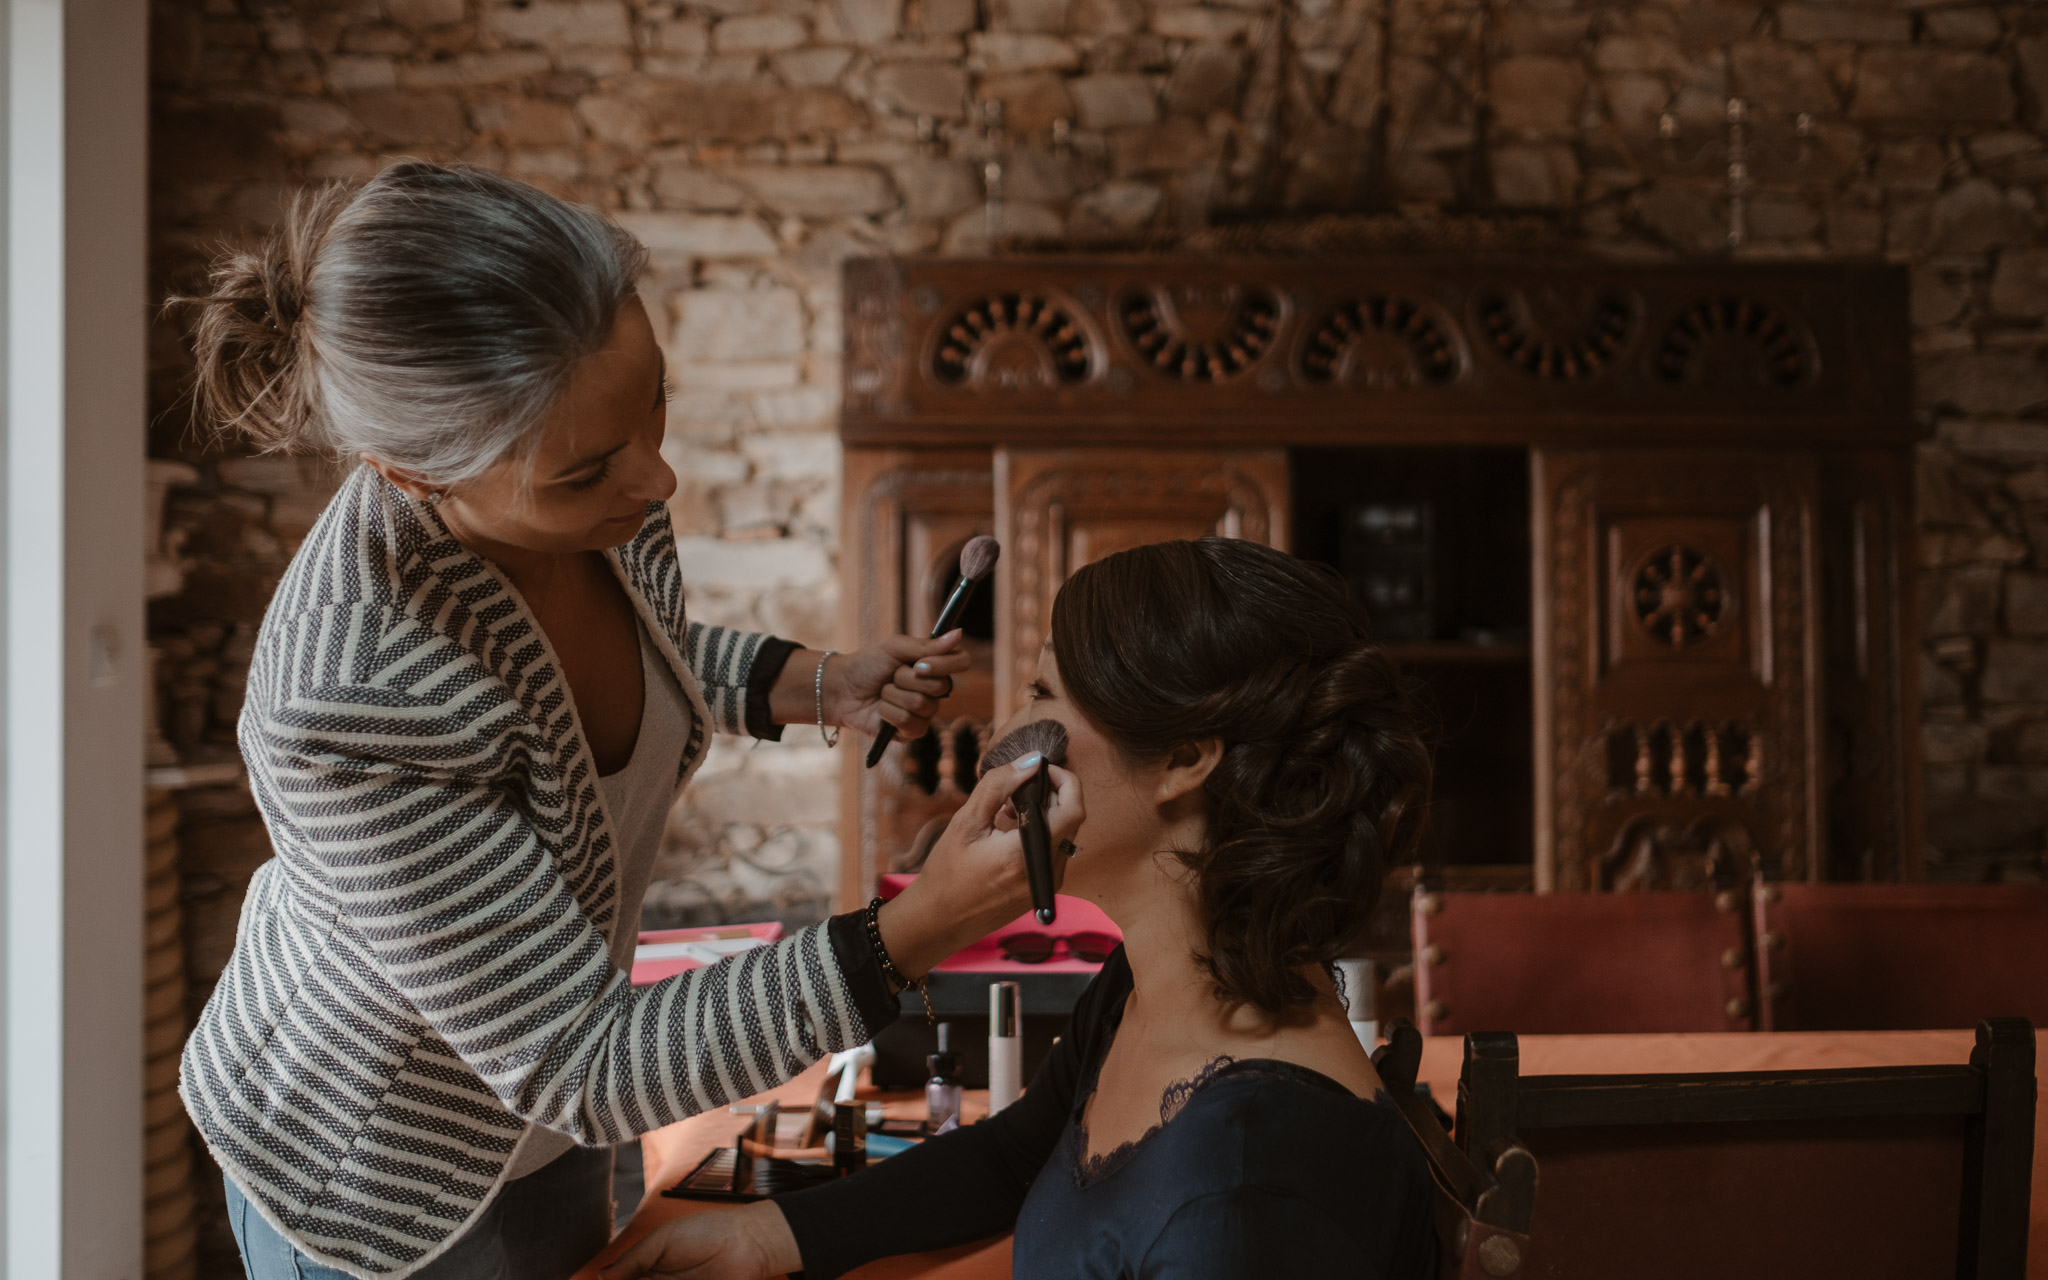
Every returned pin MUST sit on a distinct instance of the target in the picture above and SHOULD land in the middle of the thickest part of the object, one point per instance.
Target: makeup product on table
(977, 560)
(1005, 1045)
(942, 1093)
(1049, 739)
(849, 1137)
(1359, 993)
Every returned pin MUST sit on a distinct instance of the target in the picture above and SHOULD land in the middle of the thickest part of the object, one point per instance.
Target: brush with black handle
(1049, 739)
(977, 561)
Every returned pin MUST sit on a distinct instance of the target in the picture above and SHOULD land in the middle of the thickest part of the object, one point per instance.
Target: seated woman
(1249, 765)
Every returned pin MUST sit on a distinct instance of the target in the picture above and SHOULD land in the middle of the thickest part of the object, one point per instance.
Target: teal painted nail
(1030, 762)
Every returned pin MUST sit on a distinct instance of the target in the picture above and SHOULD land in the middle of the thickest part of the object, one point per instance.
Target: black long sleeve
(964, 1185)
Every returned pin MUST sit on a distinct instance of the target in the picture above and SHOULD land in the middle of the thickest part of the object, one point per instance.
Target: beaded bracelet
(818, 691)
(873, 919)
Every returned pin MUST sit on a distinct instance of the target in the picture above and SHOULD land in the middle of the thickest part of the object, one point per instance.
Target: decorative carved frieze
(1121, 350)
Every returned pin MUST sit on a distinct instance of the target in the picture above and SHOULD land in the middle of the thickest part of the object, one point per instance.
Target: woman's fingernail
(924, 668)
(1027, 763)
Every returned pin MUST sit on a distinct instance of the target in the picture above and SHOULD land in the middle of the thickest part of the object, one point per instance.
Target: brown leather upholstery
(1565, 963)
(1902, 1173)
(1892, 957)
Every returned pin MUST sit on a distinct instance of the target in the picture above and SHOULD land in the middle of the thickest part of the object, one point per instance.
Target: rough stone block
(806, 456)
(1535, 177)
(1976, 215)
(2015, 671)
(1206, 79)
(311, 119)
(1199, 22)
(412, 119)
(1113, 101)
(700, 235)
(934, 190)
(860, 22)
(1953, 742)
(748, 111)
(948, 17)
(682, 186)
(923, 88)
(1118, 206)
(969, 233)
(1964, 26)
(753, 566)
(1935, 300)
(349, 74)
(757, 33)
(1030, 15)
(1171, 146)
(466, 70)
(1779, 80)
(1982, 382)
(810, 68)
(527, 122)
(561, 23)
(1538, 97)
(424, 13)
(737, 324)
(1004, 51)
(2026, 604)
(1031, 101)
(1807, 23)
(1960, 601)
(1928, 88)
(2019, 287)
(819, 191)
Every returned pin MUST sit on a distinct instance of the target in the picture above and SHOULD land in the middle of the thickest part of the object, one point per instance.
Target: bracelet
(818, 691)
(873, 918)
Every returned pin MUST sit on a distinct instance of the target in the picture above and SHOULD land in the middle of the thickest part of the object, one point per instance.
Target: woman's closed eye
(594, 479)
(1037, 690)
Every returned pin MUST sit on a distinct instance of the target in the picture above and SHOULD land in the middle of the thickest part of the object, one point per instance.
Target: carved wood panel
(1059, 509)
(1408, 348)
(906, 515)
(1677, 654)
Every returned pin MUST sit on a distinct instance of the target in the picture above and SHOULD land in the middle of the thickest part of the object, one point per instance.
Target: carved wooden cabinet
(1670, 513)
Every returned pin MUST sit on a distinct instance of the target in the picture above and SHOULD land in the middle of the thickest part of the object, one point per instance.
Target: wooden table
(673, 1151)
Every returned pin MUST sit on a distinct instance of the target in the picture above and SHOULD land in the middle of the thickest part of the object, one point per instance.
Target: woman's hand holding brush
(976, 879)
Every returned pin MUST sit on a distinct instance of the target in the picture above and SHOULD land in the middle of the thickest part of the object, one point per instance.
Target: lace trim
(1092, 1169)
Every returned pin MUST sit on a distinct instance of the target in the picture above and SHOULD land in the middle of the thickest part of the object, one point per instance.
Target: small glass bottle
(942, 1092)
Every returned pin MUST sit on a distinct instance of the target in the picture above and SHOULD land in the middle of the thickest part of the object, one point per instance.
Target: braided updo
(1325, 776)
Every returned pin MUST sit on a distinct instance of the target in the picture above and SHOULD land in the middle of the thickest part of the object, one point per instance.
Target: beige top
(638, 798)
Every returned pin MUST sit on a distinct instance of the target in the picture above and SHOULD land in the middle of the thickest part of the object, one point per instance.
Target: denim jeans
(539, 1227)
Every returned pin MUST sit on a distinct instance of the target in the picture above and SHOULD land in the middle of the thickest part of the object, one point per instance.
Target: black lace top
(1257, 1168)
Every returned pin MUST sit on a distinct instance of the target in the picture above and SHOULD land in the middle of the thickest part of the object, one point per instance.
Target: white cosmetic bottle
(1005, 1045)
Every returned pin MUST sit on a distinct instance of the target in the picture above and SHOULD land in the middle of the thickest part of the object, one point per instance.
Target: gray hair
(429, 319)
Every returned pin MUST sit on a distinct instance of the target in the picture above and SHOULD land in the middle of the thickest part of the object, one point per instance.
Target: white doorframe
(73, 196)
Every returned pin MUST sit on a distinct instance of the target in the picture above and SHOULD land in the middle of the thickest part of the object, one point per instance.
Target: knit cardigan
(423, 967)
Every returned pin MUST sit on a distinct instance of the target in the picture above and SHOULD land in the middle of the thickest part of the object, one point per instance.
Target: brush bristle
(1048, 737)
(979, 556)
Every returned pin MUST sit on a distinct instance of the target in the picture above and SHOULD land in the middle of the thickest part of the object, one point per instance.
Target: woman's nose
(653, 479)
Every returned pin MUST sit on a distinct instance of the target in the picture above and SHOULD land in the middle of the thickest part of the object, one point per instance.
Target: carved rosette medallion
(1199, 333)
(1738, 342)
(1557, 333)
(1382, 343)
(1677, 595)
(1016, 341)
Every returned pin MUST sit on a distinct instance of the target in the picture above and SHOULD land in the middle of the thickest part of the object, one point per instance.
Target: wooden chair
(1905, 1172)
(1580, 963)
(1898, 957)
(1482, 1205)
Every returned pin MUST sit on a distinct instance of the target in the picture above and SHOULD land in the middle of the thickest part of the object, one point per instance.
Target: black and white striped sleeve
(736, 669)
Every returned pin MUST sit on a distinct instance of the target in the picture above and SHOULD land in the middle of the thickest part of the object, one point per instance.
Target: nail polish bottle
(942, 1091)
(1005, 1046)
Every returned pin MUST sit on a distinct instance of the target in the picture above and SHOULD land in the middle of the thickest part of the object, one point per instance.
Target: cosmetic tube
(1005, 1046)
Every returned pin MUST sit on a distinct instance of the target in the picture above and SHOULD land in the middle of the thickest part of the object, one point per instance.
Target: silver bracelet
(831, 737)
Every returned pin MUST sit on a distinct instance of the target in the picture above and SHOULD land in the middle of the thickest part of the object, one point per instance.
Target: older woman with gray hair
(473, 701)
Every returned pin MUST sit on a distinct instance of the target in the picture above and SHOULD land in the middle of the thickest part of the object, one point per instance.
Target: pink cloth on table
(1072, 915)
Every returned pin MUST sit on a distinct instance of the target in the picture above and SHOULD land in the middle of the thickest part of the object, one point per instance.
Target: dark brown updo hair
(1325, 775)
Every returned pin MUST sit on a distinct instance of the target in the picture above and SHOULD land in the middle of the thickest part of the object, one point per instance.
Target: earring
(435, 497)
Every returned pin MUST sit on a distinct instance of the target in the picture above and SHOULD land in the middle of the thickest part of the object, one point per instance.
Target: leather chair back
(1900, 957)
(1580, 963)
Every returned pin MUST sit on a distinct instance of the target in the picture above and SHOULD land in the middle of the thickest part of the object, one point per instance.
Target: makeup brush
(1049, 739)
(977, 561)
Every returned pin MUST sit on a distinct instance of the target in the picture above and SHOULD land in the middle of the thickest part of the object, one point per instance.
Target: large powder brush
(1049, 739)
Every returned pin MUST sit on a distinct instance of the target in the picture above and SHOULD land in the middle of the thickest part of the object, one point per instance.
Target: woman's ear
(401, 478)
(1187, 768)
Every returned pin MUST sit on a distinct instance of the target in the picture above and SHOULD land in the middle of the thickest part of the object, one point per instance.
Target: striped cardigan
(424, 965)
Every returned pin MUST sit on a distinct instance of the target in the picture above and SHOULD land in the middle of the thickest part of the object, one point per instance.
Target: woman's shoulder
(1292, 1123)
